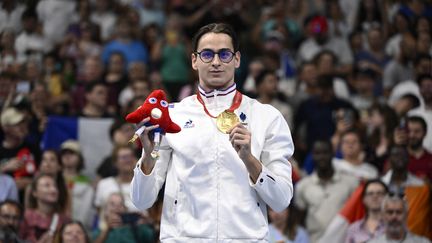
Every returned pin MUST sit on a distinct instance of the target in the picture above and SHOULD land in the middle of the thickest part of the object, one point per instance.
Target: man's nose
(216, 61)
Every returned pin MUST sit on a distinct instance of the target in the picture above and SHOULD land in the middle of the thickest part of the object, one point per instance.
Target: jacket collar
(217, 100)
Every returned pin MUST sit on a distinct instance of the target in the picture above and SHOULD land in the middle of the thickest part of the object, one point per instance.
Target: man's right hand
(147, 162)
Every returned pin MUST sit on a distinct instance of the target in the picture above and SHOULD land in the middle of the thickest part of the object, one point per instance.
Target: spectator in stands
(50, 165)
(398, 177)
(353, 155)
(72, 232)
(92, 71)
(120, 133)
(372, 224)
(120, 225)
(321, 195)
(56, 16)
(30, 42)
(96, 101)
(44, 207)
(374, 56)
(364, 83)
(285, 226)
(370, 13)
(326, 62)
(306, 85)
(420, 159)
(171, 53)
(124, 159)
(17, 157)
(395, 210)
(345, 120)
(104, 16)
(380, 125)
(422, 67)
(338, 26)
(10, 15)
(124, 42)
(79, 186)
(400, 67)
(316, 113)
(400, 24)
(267, 90)
(320, 40)
(425, 86)
(11, 213)
(115, 80)
(8, 54)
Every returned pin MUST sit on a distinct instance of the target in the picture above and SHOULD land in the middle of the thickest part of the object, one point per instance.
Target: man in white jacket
(218, 178)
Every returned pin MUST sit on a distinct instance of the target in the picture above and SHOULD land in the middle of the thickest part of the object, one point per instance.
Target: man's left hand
(240, 138)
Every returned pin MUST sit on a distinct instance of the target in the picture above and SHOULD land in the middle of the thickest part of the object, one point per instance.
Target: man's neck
(208, 89)
(396, 235)
(124, 177)
(69, 173)
(93, 111)
(416, 153)
(325, 174)
(265, 99)
(399, 177)
(353, 160)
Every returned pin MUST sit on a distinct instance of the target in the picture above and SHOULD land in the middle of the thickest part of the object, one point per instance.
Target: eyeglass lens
(207, 55)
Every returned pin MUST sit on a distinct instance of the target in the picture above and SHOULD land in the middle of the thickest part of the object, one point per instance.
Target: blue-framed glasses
(207, 55)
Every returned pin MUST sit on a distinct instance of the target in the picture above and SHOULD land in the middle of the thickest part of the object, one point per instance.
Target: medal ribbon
(235, 104)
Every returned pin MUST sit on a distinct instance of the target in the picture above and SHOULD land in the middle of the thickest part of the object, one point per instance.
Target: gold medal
(226, 120)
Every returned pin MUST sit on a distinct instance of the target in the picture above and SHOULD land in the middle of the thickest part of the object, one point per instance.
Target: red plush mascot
(155, 107)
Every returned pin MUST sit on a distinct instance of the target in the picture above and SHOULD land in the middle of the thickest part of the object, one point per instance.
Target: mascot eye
(152, 100)
(164, 103)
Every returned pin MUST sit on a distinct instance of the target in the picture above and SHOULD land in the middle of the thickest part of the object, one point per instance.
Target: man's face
(269, 85)
(17, 131)
(426, 89)
(416, 135)
(10, 216)
(373, 196)
(351, 146)
(394, 216)
(98, 96)
(398, 158)
(322, 155)
(215, 74)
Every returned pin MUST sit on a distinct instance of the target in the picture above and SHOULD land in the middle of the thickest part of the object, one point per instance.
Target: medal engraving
(226, 120)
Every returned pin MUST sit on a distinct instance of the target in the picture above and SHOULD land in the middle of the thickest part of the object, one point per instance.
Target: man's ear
(194, 60)
(237, 59)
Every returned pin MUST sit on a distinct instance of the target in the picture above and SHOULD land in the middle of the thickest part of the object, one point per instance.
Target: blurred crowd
(353, 79)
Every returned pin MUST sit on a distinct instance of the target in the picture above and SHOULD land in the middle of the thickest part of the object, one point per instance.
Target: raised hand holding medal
(226, 120)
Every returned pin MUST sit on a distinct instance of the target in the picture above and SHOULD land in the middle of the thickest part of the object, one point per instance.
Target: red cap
(318, 24)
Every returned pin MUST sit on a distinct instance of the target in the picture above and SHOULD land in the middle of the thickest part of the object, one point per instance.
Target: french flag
(91, 133)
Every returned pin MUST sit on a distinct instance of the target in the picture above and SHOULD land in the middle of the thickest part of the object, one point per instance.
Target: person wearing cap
(319, 40)
(80, 187)
(18, 158)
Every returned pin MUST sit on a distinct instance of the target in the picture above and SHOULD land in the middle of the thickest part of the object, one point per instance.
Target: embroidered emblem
(189, 124)
(243, 118)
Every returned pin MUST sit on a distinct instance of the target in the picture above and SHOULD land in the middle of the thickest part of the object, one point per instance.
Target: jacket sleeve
(145, 188)
(274, 184)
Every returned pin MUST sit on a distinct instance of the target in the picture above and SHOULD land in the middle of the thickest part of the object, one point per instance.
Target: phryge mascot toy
(155, 107)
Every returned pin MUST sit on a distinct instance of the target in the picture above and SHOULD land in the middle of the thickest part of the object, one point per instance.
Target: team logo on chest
(189, 124)
(243, 118)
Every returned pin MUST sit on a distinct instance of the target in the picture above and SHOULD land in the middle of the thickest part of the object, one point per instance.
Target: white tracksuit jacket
(209, 196)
